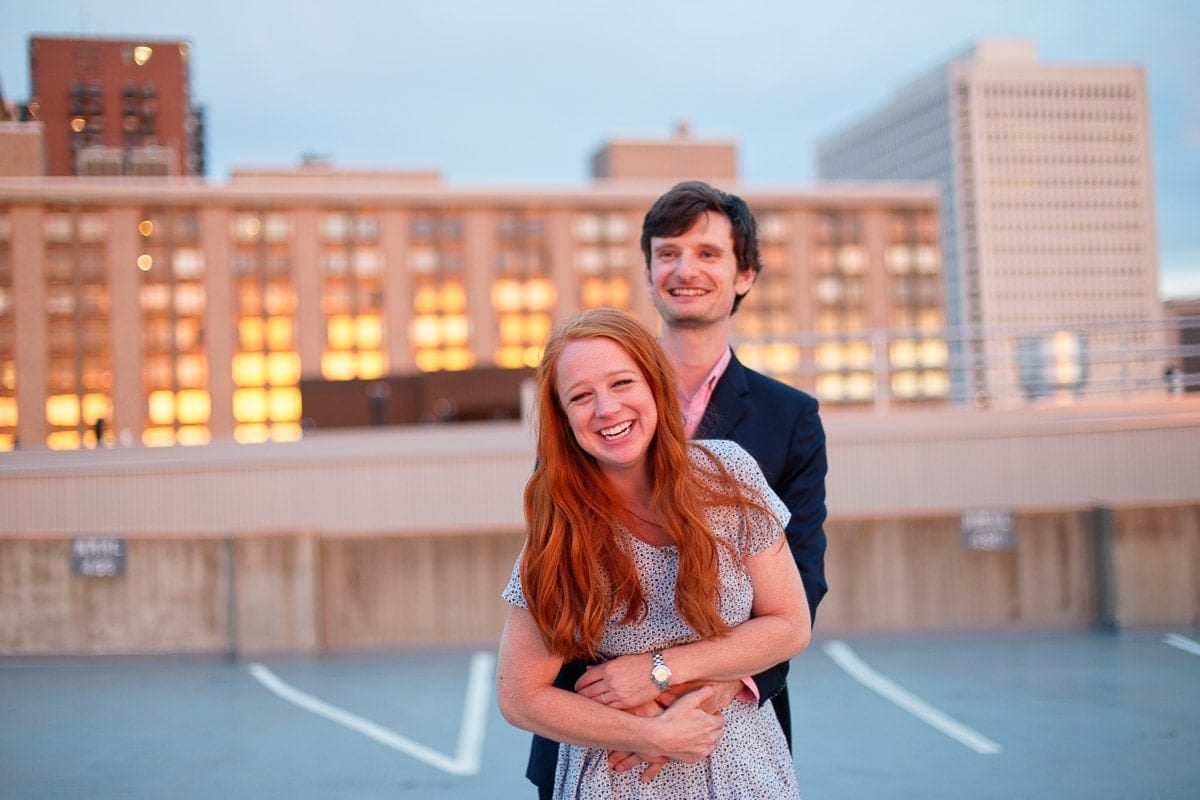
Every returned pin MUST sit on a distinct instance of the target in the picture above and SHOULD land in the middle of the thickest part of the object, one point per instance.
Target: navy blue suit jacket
(779, 426)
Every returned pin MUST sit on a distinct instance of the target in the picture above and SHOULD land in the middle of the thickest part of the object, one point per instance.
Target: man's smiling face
(694, 276)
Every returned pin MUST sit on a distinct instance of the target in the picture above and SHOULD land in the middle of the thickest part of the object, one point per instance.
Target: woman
(663, 559)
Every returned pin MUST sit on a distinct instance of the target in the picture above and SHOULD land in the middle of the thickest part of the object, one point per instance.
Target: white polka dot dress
(752, 760)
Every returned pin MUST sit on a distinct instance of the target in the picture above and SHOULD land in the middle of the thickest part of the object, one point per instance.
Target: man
(701, 251)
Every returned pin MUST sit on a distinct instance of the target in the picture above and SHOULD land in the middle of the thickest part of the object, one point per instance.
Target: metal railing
(995, 367)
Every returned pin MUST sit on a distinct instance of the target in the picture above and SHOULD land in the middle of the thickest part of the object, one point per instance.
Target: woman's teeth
(615, 430)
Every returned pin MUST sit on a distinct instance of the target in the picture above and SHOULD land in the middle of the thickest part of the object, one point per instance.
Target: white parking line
(1183, 643)
(470, 735)
(841, 653)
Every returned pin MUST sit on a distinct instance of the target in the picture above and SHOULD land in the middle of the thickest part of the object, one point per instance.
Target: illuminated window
(266, 365)
(601, 257)
(172, 303)
(77, 307)
(352, 297)
(247, 227)
(8, 364)
(440, 327)
(614, 292)
(336, 227)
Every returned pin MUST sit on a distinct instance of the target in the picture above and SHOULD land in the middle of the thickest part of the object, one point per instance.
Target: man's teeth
(687, 292)
(616, 430)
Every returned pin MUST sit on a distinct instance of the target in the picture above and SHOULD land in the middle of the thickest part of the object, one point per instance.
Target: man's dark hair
(677, 210)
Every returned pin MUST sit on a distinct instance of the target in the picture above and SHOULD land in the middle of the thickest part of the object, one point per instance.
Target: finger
(694, 698)
(650, 772)
(620, 762)
(590, 677)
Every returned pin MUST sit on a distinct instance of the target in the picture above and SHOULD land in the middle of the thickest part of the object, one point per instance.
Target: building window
(440, 329)
(172, 299)
(766, 316)
(523, 295)
(266, 363)
(78, 407)
(601, 257)
(918, 355)
(8, 340)
(843, 356)
(352, 268)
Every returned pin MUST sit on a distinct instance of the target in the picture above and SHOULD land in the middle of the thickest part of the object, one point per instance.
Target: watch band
(660, 673)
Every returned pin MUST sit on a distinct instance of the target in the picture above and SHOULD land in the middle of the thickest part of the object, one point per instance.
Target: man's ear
(743, 281)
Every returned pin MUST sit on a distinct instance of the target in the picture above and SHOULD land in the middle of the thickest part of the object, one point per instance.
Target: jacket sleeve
(802, 489)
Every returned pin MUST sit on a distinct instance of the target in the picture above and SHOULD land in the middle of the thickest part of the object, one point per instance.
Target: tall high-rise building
(1047, 208)
(115, 107)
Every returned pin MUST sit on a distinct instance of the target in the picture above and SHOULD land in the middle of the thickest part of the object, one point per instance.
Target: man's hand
(621, 760)
(724, 693)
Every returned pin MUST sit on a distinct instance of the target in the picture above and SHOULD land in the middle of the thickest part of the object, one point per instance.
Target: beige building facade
(1048, 219)
(173, 311)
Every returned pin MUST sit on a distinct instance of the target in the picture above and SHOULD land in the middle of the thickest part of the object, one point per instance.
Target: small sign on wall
(988, 529)
(97, 556)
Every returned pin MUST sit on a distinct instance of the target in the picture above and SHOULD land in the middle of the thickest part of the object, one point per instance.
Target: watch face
(661, 674)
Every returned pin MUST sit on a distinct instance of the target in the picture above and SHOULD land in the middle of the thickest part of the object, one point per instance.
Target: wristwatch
(660, 673)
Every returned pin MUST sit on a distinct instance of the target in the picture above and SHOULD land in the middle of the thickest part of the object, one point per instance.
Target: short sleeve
(512, 592)
(764, 530)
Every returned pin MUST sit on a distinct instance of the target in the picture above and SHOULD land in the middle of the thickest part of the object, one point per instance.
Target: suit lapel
(726, 407)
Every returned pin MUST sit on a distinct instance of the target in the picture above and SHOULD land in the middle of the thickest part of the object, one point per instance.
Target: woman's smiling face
(608, 403)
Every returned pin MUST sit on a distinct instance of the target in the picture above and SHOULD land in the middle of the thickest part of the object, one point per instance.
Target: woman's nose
(606, 404)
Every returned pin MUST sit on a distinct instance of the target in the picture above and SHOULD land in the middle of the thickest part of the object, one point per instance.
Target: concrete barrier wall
(172, 599)
(304, 592)
(1156, 566)
(398, 537)
(914, 574)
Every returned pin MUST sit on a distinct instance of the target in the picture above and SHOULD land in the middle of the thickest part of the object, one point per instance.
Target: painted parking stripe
(845, 658)
(466, 758)
(1183, 643)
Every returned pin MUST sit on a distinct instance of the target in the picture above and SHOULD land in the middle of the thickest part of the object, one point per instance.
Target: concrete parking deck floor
(1046, 715)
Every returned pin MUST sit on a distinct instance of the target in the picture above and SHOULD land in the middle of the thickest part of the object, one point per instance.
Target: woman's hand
(623, 682)
(701, 699)
(687, 732)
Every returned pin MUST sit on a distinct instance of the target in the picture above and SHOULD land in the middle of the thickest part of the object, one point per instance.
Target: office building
(1182, 373)
(115, 107)
(1047, 211)
(163, 311)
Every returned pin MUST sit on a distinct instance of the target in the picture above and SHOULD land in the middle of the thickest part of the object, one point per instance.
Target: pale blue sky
(524, 91)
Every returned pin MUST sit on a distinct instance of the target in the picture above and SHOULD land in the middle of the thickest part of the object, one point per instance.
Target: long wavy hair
(576, 570)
